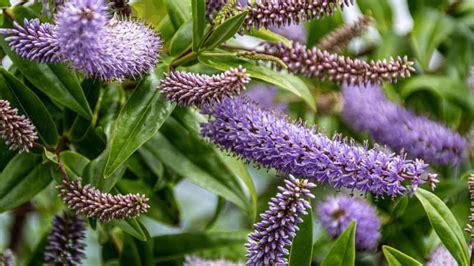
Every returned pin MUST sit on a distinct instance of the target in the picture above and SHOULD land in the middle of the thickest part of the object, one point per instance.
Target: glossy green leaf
(168, 247)
(199, 22)
(22, 179)
(445, 225)
(189, 166)
(343, 251)
(56, 81)
(397, 258)
(179, 12)
(28, 103)
(191, 120)
(139, 120)
(270, 36)
(225, 31)
(301, 252)
(281, 79)
(430, 30)
(182, 39)
(133, 227)
(130, 254)
(160, 210)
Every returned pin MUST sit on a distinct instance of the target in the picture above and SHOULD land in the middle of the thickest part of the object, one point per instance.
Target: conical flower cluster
(270, 140)
(337, 68)
(93, 42)
(34, 41)
(103, 206)
(195, 89)
(367, 109)
(17, 131)
(266, 13)
(337, 213)
(267, 244)
(337, 40)
(66, 241)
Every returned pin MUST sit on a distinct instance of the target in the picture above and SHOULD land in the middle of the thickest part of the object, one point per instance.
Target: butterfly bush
(17, 130)
(367, 109)
(103, 206)
(66, 241)
(196, 89)
(34, 41)
(85, 35)
(336, 213)
(316, 63)
(267, 244)
(270, 140)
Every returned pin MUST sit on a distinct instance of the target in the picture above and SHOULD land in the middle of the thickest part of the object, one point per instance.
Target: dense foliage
(221, 132)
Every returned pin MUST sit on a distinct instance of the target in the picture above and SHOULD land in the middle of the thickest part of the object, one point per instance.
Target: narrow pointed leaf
(343, 251)
(396, 258)
(301, 252)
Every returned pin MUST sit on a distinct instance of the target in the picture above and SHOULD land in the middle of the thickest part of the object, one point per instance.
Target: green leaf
(214, 162)
(28, 103)
(22, 179)
(270, 36)
(129, 254)
(380, 10)
(139, 120)
(430, 30)
(222, 184)
(225, 31)
(167, 247)
(397, 258)
(445, 225)
(160, 210)
(343, 251)
(179, 12)
(56, 81)
(301, 252)
(182, 39)
(199, 22)
(4, 3)
(133, 227)
(281, 79)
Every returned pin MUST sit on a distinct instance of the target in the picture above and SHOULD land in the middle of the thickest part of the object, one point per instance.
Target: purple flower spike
(296, 32)
(441, 257)
(34, 41)
(269, 140)
(367, 109)
(267, 244)
(338, 212)
(17, 130)
(195, 89)
(103, 206)
(104, 47)
(66, 241)
(337, 40)
(267, 13)
(265, 96)
(337, 68)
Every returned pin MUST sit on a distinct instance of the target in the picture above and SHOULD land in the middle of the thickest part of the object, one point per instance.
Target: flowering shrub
(236, 132)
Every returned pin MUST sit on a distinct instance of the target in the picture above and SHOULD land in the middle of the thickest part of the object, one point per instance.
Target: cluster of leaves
(126, 138)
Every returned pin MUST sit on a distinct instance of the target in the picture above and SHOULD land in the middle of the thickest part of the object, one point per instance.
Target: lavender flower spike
(267, 244)
(441, 257)
(17, 131)
(266, 13)
(367, 109)
(104, 47)
(337, 40)
(338, 212)
(66, 241)
(34, 41)
(194, 89)
(104, 206)
(326, 66)
(269, 140)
